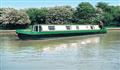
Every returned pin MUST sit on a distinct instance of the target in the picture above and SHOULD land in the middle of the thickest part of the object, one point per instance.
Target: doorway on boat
(36, 28)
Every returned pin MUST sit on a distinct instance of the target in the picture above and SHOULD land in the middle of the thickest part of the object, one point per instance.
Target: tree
(111, 14)
(85, 12)
(11, 18)
(37, 16)
(104, 6)
(99, 15)
(116, 15)
(0, 16)
(60, 15)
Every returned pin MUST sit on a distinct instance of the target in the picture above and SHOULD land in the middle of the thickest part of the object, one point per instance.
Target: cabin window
(68, 27)
(36, 28)
(91, 27)
(40, 28)
(77, 27)
(51, 27)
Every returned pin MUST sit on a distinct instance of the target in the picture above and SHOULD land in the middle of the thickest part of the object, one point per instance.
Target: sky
(21, 4)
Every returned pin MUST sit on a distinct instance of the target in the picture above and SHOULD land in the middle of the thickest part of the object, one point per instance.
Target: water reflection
(96, 52)
(48, 45)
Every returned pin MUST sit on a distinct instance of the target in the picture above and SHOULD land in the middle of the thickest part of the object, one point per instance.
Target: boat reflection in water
(71, 45)
(50, 45)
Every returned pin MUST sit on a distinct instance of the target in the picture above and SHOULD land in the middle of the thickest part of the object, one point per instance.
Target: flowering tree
(10, 17)
(60, 15)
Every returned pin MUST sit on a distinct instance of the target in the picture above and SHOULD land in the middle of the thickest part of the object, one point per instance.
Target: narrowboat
(45, 31)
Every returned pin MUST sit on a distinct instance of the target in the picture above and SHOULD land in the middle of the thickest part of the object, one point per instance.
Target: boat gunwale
(29, 32)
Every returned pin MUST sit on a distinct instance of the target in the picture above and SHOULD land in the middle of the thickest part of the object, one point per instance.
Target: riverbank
(13, 31)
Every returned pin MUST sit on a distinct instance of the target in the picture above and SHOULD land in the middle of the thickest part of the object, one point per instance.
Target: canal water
(91, 52)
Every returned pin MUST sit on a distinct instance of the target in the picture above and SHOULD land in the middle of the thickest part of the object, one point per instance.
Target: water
(92, 52)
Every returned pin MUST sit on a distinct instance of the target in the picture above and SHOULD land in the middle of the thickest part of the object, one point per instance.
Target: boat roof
(61, 24)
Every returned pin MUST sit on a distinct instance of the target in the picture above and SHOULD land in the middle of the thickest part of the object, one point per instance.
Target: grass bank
(113, 28)
(2, 32)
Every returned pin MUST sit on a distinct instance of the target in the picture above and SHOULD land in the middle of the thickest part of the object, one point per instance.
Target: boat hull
(42, 36)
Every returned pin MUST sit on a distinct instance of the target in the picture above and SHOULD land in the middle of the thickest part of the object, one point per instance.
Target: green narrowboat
(45, 31)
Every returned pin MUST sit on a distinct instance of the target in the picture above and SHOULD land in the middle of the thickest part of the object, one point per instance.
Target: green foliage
(104, 6)
(111, 14)
(0, 16)
(37, 16)
(85, 12)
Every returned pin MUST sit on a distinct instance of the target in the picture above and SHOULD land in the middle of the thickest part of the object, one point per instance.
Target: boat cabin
(40, 28)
